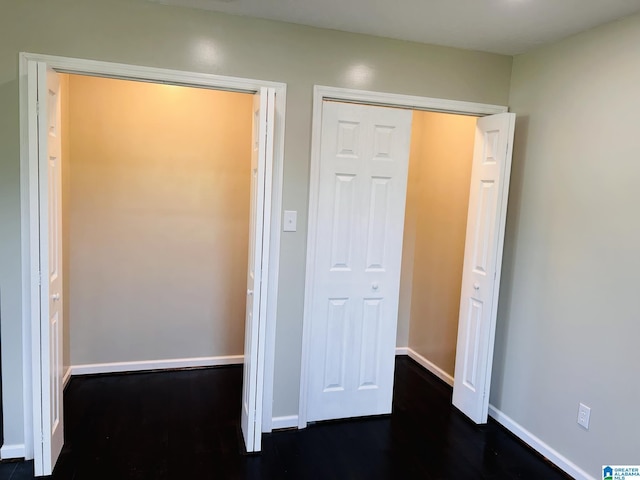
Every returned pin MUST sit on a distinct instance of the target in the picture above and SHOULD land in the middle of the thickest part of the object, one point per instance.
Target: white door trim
(366, 97)
(320, 94)
(30, 234)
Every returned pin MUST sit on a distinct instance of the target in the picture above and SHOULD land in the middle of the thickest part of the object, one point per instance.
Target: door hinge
(38, 108)
(40, 278)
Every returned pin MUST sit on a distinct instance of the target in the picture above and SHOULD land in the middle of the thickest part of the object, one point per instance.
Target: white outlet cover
(584, 414)
(290, 221)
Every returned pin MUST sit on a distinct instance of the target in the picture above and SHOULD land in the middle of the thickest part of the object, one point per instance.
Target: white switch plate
(290, 221)
(584, 413)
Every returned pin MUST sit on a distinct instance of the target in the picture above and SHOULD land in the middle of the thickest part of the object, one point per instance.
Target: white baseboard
(8, 452)
(120, 367)
(290, 421)
(66, 377)
(402, 351)
(518, 430)
(538, 445)
(430, 366)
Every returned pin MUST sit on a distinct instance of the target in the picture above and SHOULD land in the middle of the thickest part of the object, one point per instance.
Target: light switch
(290, 220)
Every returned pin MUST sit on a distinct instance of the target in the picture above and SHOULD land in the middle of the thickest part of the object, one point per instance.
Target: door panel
(335, 345)
(378, 214)
(356, 279)
(261, 159)
(369, 341)
(51, 266)
(343, 217)
(482, 263)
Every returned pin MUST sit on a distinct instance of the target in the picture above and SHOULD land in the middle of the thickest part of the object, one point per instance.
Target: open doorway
(435, 226)
(357, 212)
(43, 264)
(155, 224)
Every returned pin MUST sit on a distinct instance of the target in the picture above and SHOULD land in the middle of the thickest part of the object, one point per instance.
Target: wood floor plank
(186, 425)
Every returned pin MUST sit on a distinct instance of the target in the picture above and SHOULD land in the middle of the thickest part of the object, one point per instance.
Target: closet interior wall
(155, 220)
(434, 236)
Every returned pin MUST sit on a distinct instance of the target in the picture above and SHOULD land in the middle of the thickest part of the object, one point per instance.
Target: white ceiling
(501, 26)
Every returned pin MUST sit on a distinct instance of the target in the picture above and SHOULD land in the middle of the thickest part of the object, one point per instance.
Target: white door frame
(29, 199)
(320, 94)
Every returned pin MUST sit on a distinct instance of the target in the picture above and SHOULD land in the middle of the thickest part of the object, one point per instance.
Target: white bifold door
(50, 197)
(261, 172)
(358, 246)
(482, 264)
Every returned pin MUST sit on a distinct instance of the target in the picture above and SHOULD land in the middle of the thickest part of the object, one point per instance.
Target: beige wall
(145, 33)
(435, 230)
(158, 220)
(568, 326)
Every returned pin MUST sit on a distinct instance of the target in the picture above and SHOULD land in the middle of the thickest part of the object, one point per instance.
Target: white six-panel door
(51, 265)
(261, 160)
(362, 191)
(482, 262)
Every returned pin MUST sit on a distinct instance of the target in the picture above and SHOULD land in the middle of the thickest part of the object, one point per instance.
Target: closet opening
(435, 225)
(155, 224)
(151, 202)
(406, 225)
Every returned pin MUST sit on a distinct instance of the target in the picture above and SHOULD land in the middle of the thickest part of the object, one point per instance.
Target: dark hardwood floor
(185, 425)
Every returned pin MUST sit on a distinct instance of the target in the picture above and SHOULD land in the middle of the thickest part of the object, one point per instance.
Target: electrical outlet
(584, 413)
